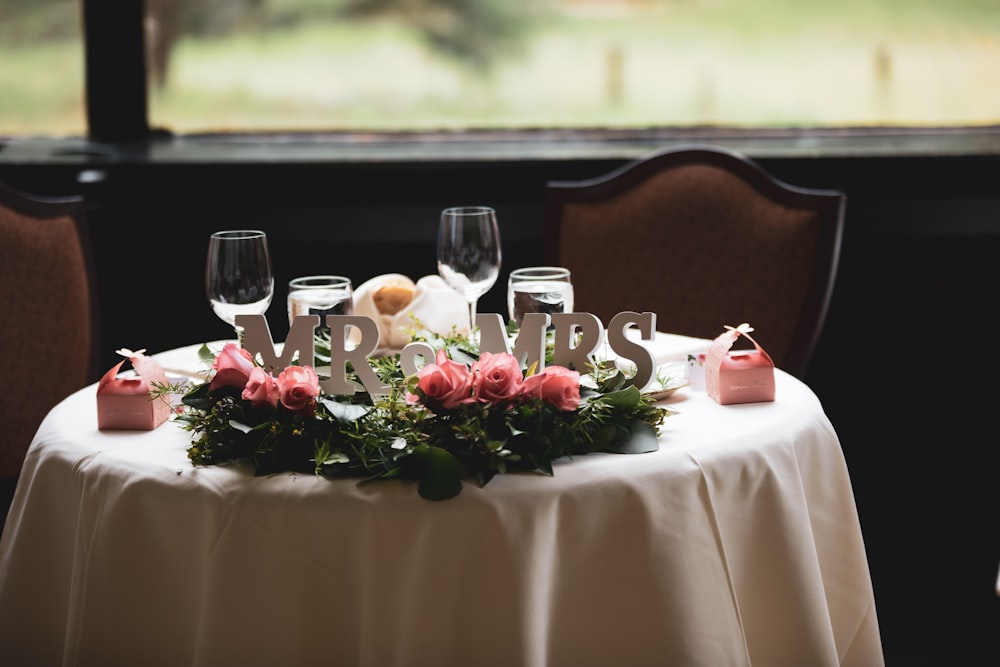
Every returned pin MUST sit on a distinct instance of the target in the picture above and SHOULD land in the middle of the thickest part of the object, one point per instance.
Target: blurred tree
(33, 21)
(169, 20)
(474, 32)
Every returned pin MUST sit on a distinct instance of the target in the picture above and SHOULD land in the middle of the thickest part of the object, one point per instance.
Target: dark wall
(904, 368)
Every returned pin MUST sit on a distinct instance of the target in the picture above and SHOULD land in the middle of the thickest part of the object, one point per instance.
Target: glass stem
(472, 318)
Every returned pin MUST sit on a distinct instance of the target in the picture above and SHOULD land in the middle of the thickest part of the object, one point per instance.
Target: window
(432, 65)
(41, 68)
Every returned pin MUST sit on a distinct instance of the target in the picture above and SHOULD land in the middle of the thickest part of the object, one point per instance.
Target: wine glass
(238, 276)
(468, 252)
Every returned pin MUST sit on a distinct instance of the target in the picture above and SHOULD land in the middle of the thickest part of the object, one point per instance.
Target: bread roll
(390, 299)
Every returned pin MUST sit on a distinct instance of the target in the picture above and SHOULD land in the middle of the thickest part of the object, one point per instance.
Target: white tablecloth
(736, 543)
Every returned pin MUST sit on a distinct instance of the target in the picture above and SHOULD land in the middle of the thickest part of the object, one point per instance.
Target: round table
(736, 543)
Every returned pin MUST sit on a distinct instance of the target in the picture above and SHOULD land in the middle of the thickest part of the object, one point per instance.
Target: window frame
(117, 112)
(115, 70)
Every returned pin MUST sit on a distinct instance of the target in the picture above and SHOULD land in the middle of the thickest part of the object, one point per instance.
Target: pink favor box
(738, 376)
(128, 402)
(140, 412)
(744, 378)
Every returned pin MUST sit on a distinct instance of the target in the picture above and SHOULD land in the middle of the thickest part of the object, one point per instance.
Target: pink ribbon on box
(128, 402)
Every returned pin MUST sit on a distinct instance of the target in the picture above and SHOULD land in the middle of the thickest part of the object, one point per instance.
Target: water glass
(539, 289)
(320, 295)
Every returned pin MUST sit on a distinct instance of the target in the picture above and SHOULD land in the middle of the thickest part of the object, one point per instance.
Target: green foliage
(473, 32)
(372, 437)
(32, 22)
(275, 65)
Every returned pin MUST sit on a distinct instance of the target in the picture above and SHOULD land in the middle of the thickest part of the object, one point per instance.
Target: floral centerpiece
(465, 415)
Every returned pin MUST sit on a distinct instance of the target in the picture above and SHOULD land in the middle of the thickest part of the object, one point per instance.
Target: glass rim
(468, 210)
(328, 280)
(238, 234)
(540, 272)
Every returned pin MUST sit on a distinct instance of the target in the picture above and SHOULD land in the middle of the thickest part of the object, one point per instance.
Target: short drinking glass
(539, 289)
(320, 295)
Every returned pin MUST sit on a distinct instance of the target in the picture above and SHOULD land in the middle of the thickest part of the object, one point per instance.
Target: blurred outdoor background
(370, 65)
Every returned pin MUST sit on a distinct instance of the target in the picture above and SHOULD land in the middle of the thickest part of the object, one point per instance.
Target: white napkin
(673, 348)
(436, 306)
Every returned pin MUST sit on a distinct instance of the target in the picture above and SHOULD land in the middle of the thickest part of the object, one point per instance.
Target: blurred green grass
(734, 63)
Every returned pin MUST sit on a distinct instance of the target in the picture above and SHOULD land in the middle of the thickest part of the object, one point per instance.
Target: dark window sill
(539, 145)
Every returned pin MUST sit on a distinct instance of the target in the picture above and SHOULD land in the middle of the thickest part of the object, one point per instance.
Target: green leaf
(484, 475)
(456, 353)
(391, 473)
(544, 465)
(640, 438)
(603, 438)
(244, 428)
(334, 457)
(439, 473)
(629, 397)
(345, 413)
(612, 383)
(205, 354)
(198, 398)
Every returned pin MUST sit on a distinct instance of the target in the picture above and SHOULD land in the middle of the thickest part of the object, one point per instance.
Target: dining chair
(49, 325)
(704, 237)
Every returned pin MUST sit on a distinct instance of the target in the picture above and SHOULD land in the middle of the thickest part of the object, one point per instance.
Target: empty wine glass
(468, 252)
(238, 276)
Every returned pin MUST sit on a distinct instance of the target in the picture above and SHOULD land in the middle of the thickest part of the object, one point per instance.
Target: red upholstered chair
(48, 320)
(704, 238)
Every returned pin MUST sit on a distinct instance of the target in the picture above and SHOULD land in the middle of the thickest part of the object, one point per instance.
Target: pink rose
(496, 378)
(556, 385)
(298, 387)
(445, 384)
(261, 389)
(232, 367)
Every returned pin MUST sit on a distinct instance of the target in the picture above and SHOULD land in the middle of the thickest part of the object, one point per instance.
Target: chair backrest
(705, 238)
(48, 313)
